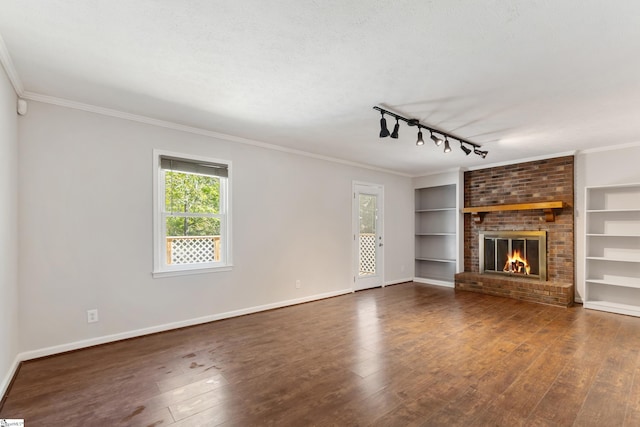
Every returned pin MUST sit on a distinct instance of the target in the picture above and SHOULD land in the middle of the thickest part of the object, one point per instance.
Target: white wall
(86, 228)
(8, 231)
(594, 168)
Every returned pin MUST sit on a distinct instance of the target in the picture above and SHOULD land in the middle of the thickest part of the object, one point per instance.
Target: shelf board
(612, 210)
(601, 258)
(615, 307)
(547, 207)
(435, 234)
(436, 259)
(612, 235)
(435, 210)
(631, 283)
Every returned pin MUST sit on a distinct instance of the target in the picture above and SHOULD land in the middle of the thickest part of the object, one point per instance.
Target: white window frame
(160, 267)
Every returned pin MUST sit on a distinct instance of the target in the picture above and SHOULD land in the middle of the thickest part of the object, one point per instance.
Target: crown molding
(610, 148)
(524, 160)
(440, 172)
(194, 130)
(10, 69)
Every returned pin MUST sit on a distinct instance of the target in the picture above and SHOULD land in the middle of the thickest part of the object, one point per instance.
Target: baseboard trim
(398, 281)
(77, 345)
(434, 282)
(8, 379)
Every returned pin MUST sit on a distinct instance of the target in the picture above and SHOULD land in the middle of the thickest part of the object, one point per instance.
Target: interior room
(411, 213)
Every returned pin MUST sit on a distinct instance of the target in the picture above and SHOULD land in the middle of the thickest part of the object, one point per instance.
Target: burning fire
(516, 264)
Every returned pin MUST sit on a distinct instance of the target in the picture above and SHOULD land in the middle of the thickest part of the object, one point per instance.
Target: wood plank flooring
(409, 354)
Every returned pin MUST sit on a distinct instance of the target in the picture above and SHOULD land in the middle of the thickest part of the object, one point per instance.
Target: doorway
(367, 235)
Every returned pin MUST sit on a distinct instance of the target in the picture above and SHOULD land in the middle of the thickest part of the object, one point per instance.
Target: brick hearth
(560, 294)
(537, 181)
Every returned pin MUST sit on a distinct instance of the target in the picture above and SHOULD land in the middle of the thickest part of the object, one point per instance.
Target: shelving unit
(436, 234)
(612, 242)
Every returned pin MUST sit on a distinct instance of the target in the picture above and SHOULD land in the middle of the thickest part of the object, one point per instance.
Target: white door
(367, 236)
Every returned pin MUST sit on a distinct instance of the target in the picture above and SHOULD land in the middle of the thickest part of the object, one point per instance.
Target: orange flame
(516, 263)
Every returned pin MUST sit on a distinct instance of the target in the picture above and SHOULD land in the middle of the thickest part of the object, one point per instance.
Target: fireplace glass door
(514, 253)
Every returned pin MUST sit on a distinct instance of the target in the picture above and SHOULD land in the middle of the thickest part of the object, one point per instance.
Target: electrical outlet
(92, 315)
(298, 284)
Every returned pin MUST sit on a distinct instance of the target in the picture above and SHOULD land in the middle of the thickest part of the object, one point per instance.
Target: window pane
(490, 255)
(367, 247)
(367, 213)
(193, 240)
(192, 226)
(186, 192)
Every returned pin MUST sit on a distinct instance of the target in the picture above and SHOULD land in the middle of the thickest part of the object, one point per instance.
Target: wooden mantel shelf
(547, 207)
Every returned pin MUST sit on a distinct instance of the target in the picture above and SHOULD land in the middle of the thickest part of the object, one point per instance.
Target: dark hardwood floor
(408, 354)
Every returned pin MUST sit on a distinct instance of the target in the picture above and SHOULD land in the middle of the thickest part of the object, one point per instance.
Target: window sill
(190, 271)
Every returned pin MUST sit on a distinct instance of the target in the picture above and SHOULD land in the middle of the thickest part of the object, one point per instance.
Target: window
(191, 220)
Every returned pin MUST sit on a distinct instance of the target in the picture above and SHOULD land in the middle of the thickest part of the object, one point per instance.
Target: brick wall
(538, 181)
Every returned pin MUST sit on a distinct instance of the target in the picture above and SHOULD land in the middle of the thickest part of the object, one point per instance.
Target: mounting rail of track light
(438, 140)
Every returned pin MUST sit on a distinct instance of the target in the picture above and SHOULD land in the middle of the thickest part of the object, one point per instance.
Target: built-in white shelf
(612, 244)
(436, 236)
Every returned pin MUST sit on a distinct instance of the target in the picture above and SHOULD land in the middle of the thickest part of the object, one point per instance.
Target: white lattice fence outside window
(367, 254)
(192, 249)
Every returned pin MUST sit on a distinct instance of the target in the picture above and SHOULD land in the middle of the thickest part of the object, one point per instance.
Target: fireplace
(514, 253)
(551, 278)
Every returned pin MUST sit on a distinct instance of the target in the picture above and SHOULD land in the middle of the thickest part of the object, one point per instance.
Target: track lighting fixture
(466, 146)
(436, 140)
(447, 147)
(384, 132)
(396, 128)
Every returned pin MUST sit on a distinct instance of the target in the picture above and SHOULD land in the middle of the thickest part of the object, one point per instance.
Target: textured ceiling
(523, 78)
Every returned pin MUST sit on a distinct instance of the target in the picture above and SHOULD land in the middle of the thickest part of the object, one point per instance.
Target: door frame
(356, 187)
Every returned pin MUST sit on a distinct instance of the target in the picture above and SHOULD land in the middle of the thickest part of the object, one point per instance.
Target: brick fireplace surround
(538, 181)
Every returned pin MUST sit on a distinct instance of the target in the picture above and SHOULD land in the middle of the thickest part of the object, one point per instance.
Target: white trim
(194, 130)
(10, 69)
(525, 160)
(398, 281)
(48, 351)
(610, 186)
(609, 148)
(13, 370)
(435, 282)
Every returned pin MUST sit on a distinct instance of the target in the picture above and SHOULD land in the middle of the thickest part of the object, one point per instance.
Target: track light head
(384, 132)
(396, 128)
(420, 141)
(466, 149)
(480, 153)
(447, 147)
(436, 140)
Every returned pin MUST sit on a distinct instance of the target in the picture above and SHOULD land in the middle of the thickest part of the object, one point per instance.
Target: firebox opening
(518, 253)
